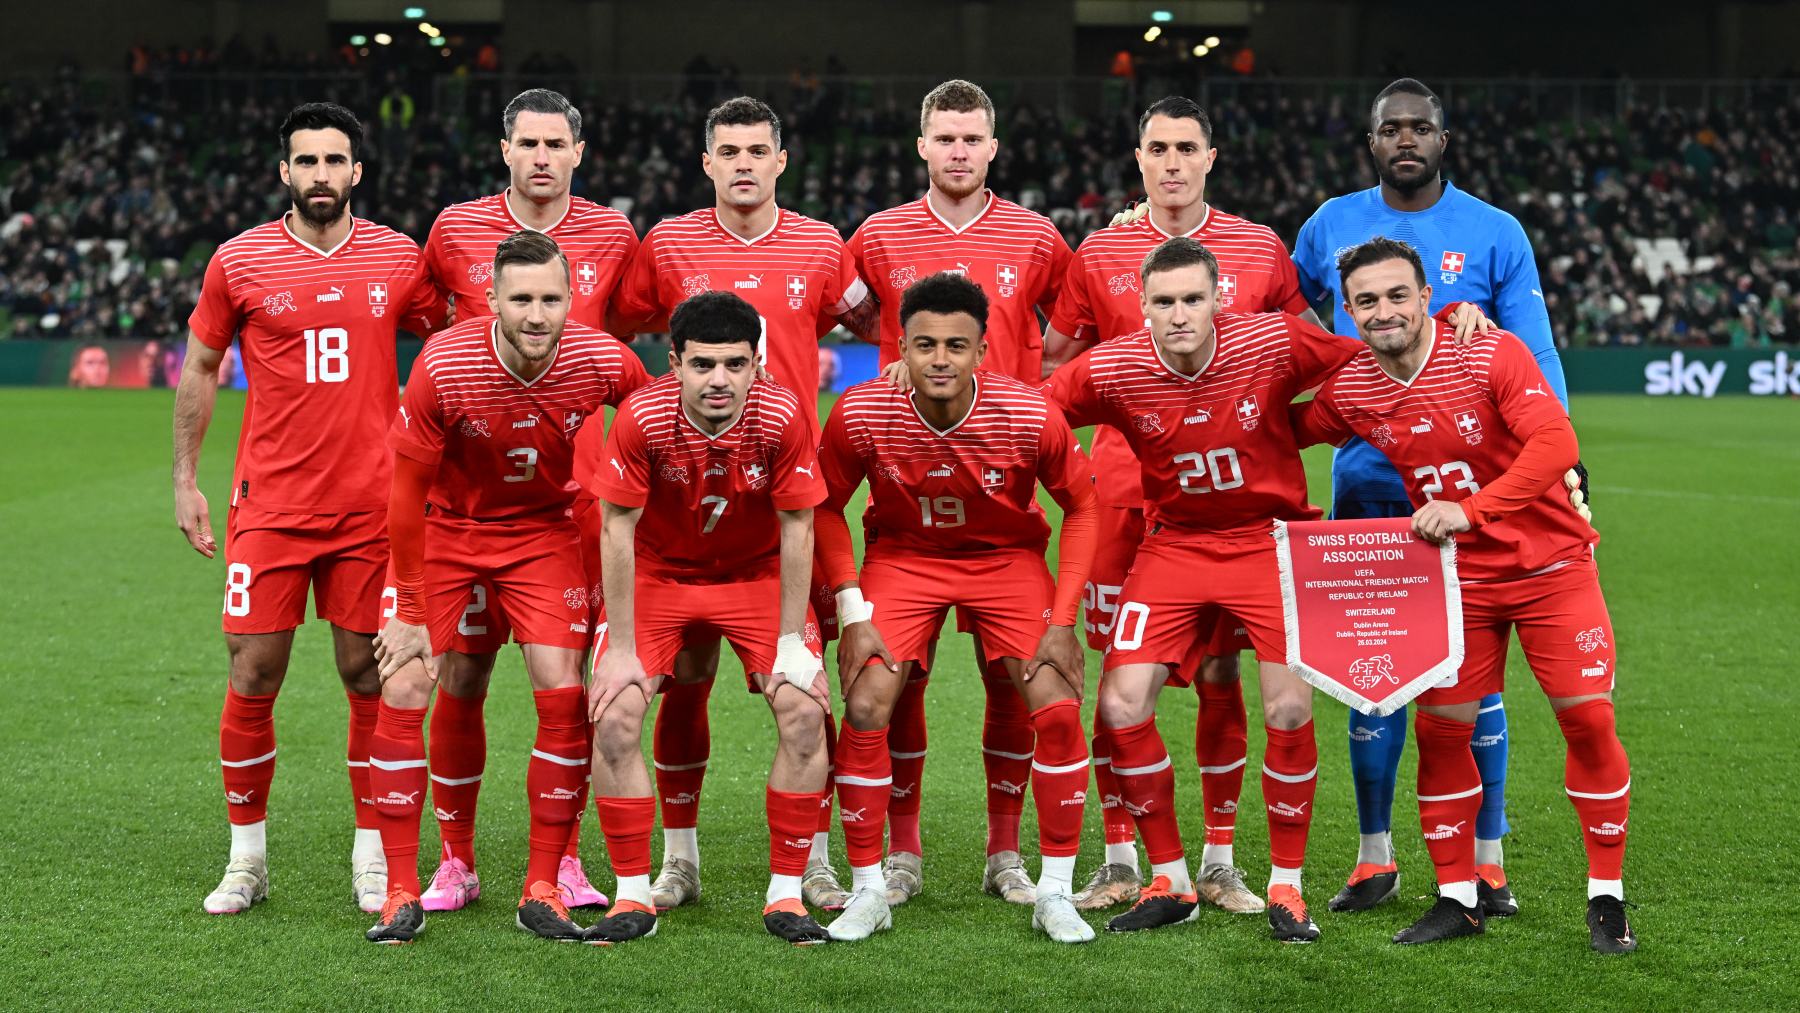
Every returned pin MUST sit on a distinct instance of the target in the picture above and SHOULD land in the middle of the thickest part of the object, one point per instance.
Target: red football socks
(458, 757)
(1006, 747)
(864, 778)
(555, 776)
(906, 749)
(1146, 779)
(1059, 777)
(397, 777)
(1449, 795)
(364, 708)
(1221, 744)
(793, 816)
(1114, 819)
(1597, 776)
(1290, 776)
(247, 754)
(625, 823)
(681, 747)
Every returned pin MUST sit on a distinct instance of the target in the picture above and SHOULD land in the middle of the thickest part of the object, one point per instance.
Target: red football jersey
(1456, 427)
(1100, 301)
(1017, 257)
(971, 488)
(316, 333)
(504, 446)
(459, 253)
(798, 275)
(1218, 454)
(709, 501)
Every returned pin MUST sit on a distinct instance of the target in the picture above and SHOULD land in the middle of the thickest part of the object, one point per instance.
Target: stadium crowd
(1663, 225)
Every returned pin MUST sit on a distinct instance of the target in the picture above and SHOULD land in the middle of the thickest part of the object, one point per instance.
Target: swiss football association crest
(586, 276)
(796, 291)
(901, 277)
(694, 284)
(279, 303)
(1382, 436)
(1006, 279)
(1450, 268)
(1248, 414)
(1469, 425)
(378, 298)
(1119, 284)
(1227, 290)
(480, 272)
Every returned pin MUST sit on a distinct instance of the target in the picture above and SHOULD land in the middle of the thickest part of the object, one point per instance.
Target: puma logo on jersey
(1594, 671)
(1424, 425)
(525, 423)
(1539, 391)
(803, 471)
(1198, 417)
(754, 281)
(941, 471)
(618, 467)
(335, 295)
(405, 419)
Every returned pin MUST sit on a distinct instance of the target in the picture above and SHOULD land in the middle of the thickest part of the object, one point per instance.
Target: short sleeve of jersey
(1308, 261)
(1318, 421)
(840, 465)
(1062, 467)
(1318, 353)
(418, 429)
(1284, 286)
(1520, 391)
(796, 485)
(632, 376)
(1074, 307)
(216, 316)
(1056, 276)
(425, 307)
(635, 301)
(622, 475)
(1072, 389)
(435, 269)
(847, 290)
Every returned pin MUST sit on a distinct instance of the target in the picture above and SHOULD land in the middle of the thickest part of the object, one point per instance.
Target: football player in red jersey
(1488, 442)
(954, 464)
(485, 447)
(1019, 259)
(708, 482)
(801, 280)
(1203, 396)
(542, 146)
(314, 299)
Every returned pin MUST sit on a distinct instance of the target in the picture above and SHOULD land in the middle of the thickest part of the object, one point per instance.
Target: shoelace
(1612, 917)
(395, 901)
(551, 895)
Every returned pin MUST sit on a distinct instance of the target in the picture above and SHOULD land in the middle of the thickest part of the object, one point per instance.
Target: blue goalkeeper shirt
(1472, 251)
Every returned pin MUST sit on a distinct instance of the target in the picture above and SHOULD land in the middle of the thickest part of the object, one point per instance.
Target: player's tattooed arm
(195, 396)
(864, 319)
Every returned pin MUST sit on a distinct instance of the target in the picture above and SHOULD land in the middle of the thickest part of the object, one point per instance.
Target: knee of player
(800, 721)
(1220, 669)
(255, 669)
(866, 713)
(408, 689)
(1288, 711)
(465, 675)
(1121, 707)
(621, 726)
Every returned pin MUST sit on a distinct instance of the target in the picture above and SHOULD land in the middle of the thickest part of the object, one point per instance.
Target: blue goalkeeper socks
(1375, 748)
(1489, 744)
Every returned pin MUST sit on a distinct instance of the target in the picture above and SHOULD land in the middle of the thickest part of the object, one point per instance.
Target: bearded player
(1484, 442)
(315, 299)
(1202, 396)
(485, 445)
(541, 145)
(954, 465)
(707, 482)
(1018, 259)
(801, 280)
(1481, 255)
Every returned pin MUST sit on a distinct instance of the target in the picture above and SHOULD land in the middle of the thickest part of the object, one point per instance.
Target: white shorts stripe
(1061, 769)
(1496, 707)
(1602, 794)
(264, 758)
(454, 781)
(679, 766)
(1162, 764)
(1453, 795)
(1292, 778)
(1102, 761)
(1226, 769)
(395, 764)
(539, 754)
(906, 756)
(1003, 755)
(867, 782)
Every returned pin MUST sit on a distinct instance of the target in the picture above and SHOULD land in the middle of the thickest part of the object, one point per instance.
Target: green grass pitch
(113, 827)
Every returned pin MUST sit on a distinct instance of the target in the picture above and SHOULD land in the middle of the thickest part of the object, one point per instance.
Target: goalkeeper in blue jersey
(1475, 252)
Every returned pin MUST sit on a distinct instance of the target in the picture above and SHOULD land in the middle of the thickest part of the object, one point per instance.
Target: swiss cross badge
(587, 276)
(992, 479)
(1248, 414)
(756, 474)
(1227, 290)
(378, 297)
(1006, 279)
(1450, 268)
(1469, 425)
(796, 291)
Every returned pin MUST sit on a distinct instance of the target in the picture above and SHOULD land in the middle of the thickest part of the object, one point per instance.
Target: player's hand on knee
(898, 376)
(192, 517)
(797, 665)
(1470, 322)
(1576, 480)
(1059, 651)
(859, 644)
(1439, 521)
(615, 672)
(400, 642)
(1131, 213)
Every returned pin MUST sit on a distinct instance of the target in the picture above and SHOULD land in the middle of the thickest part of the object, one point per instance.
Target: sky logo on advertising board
(1780, 375)
(1677, 376)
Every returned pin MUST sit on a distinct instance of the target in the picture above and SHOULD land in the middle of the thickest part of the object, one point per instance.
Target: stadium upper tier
(1660, 224)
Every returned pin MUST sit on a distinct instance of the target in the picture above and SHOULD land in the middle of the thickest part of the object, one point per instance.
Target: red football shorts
(272, 558)
(491, 581)
(1563, 627)
(1121, 531)
(1181, 589)
(1004, 598)
(671, 616)
(587, 522)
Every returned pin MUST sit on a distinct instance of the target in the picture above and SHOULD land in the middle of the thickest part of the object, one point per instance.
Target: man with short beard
(315, 299)
(1479, 254)
(1018, 258)
(483, 485)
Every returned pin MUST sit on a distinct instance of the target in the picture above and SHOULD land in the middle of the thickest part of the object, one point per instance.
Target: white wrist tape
(852, 608)
(795, 661)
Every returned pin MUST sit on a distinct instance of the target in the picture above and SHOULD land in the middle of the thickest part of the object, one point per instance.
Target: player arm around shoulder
(195, 396)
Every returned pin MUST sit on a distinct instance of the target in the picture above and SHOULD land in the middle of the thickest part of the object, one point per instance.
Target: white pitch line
(1723, 497)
